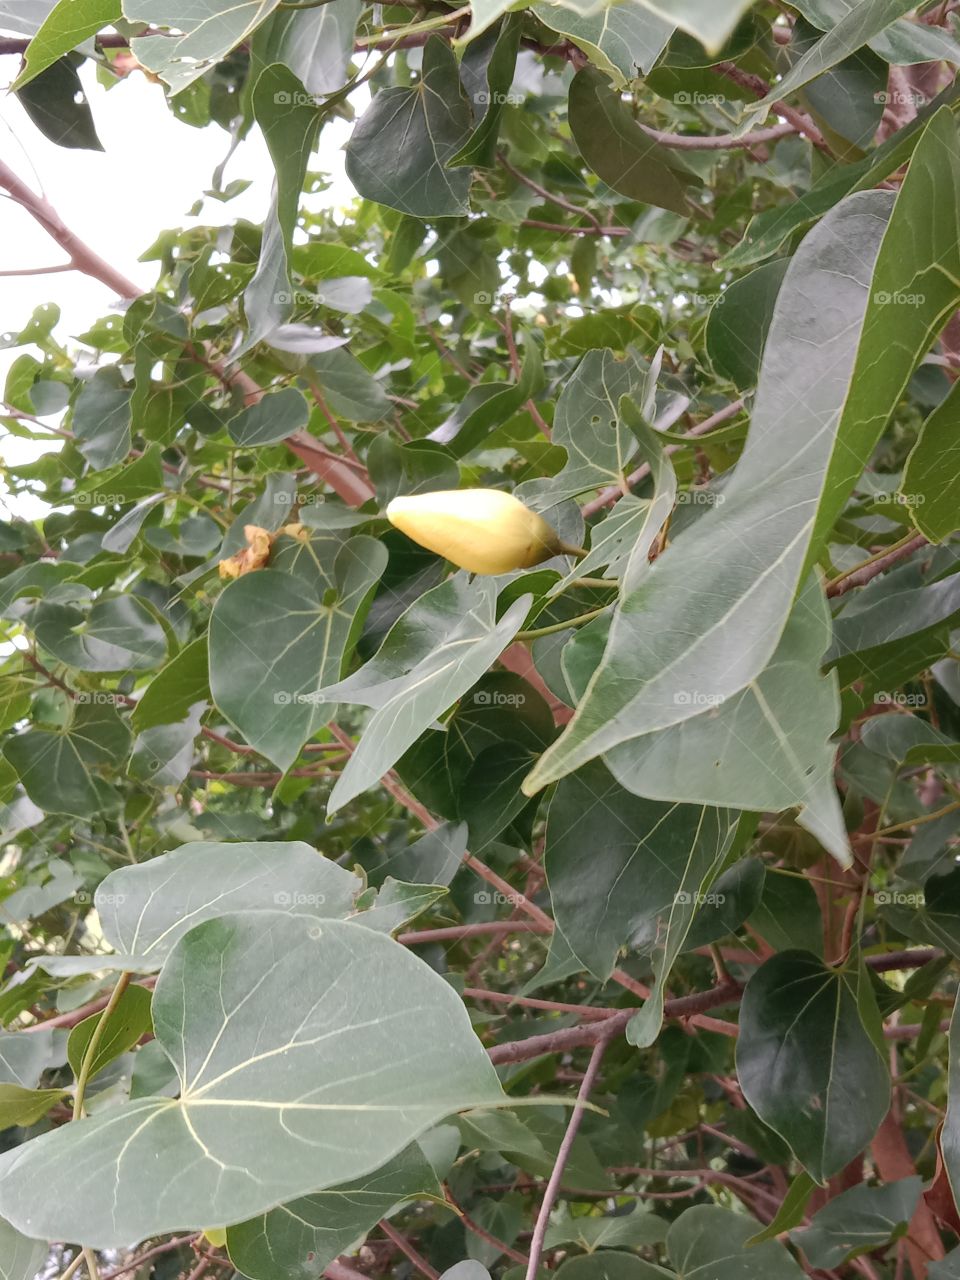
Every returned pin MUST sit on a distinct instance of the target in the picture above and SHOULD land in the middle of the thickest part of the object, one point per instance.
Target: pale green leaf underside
(309, 1053)
(707, 617)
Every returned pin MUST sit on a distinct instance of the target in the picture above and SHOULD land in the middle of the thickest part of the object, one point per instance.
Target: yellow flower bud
(483, 530)
(215, 1236)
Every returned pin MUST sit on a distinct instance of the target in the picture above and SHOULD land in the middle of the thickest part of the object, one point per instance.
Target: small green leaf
(806, 1062)
(129, 1021)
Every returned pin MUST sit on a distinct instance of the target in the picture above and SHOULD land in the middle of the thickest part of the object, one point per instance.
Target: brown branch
(407, 1249)
(873, 567)
(483, 1233)
(719, 141)
(563, 1155)
(458, 931)
(756, 84)
(601, 1029)
(550, 196)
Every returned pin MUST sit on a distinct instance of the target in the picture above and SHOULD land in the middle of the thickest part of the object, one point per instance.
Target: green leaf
(309, 1052)
(24, 1058)
(903, 42)
(619, 151)
(739, 322)
(587, 423)
(488, 405)
(623, 40)
(56, 103)
(145, 909)
(315, 43)
(290, 121)
(931, 479)
(645, 879)
(866, 20)
(622, 1230)
(177, 687)
(401, 147)
(487, 70)
(20, 1258)
(766, 748)
(274, 416)
(769, 230)
(667, 647)
(347, 387)
(67, 25)
(118, 634)
(129, 1021)
(61, 770)
(437, 649)
(709, 1241)
(162, 756)
(857, 1221)
(101, 420)
(806, 1062)
(712, 22)
(198, 37)
(791, 1212)
(276, 639)
(303, 1237)
(24, 1107)
(611, 1265)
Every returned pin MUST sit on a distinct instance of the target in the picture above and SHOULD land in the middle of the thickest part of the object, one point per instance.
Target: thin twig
(406, 1248)
(563, 1155)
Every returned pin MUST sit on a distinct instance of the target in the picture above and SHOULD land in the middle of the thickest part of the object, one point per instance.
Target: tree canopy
(471, 886)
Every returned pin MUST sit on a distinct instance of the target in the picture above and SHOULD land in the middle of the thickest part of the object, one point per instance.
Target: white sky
(152, 170)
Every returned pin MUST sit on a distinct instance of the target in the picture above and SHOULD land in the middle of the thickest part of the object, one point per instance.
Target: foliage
(331, 871)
